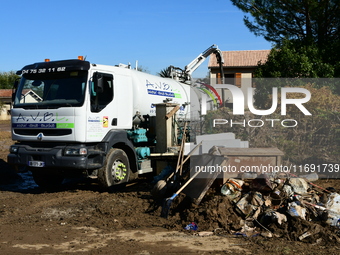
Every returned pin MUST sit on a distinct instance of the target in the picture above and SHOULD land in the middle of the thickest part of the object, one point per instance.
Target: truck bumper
(53, 158)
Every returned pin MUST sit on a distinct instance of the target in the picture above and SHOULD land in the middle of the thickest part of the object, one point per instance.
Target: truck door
(110, 104)
(101, 96)
(101, 91)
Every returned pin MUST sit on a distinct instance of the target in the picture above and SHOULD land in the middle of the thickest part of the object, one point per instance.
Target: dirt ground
(81, 219)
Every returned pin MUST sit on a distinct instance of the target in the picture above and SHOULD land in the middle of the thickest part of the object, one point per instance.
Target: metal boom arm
(190, 68)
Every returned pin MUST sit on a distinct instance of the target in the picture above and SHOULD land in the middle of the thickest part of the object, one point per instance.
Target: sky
(157, 34)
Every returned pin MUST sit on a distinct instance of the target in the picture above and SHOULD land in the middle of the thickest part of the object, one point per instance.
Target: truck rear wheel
(116, 169)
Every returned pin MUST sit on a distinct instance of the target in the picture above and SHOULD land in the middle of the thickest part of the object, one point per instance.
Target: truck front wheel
(116, 169)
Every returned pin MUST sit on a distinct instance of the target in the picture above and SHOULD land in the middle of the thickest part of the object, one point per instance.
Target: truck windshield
(52, 90)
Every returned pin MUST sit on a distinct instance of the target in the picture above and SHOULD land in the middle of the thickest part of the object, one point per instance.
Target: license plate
(36, 163)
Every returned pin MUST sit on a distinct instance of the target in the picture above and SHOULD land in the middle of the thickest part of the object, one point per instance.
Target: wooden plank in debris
(201, 184)
(207, 186)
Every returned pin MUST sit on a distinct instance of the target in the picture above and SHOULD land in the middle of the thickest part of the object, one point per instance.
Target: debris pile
(270, 206)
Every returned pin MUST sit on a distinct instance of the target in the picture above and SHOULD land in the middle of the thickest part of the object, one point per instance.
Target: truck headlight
(75, 151)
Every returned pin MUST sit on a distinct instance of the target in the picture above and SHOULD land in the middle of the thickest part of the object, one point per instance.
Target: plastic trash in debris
(249, 175)
(296, 210)
(232, 188)
(333, 220)
(244, 206)
(333, 209)
(304, 235)
(205, 233)
(257, 199)
(267, 234)
(230, 192)
(277, 193)
(191, 226)
(248, 229)
(299, 185)
(333, 202)
(262, 183)
(279, 217)
(310, 177)
(288, 190)
(296, 185)
(271, 216)
(249, 203)
(329, 216)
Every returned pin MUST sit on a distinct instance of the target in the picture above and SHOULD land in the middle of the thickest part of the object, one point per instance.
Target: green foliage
(295, 60)
(308, 21)
(306, 34)
(165, 73)
(7, 79)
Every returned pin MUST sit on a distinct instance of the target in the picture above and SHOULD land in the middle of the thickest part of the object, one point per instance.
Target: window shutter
(238, 79)
(218, 78)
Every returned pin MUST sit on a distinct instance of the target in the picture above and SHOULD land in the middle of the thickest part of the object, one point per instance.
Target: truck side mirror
(98, 80)
(15, 87)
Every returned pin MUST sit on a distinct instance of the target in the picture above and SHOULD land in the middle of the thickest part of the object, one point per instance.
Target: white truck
(72, 117)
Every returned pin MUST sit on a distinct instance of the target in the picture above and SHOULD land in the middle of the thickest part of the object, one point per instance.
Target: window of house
(233, 78)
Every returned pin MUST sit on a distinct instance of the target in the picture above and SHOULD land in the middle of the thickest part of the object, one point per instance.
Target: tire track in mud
(89, 239)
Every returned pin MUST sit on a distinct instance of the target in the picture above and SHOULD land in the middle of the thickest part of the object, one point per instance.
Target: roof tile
(244, 58)
(6, 92)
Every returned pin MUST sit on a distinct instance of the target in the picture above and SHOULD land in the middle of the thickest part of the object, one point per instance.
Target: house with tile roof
(6, 101)
(238, 69)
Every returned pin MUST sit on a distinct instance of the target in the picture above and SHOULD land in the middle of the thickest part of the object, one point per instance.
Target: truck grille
(46, 132)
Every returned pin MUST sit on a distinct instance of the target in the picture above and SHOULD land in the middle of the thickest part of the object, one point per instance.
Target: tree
(143, 69)
(305, 20)
(165, 73)
(7, 79)
(291, 60)
(314, 24)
